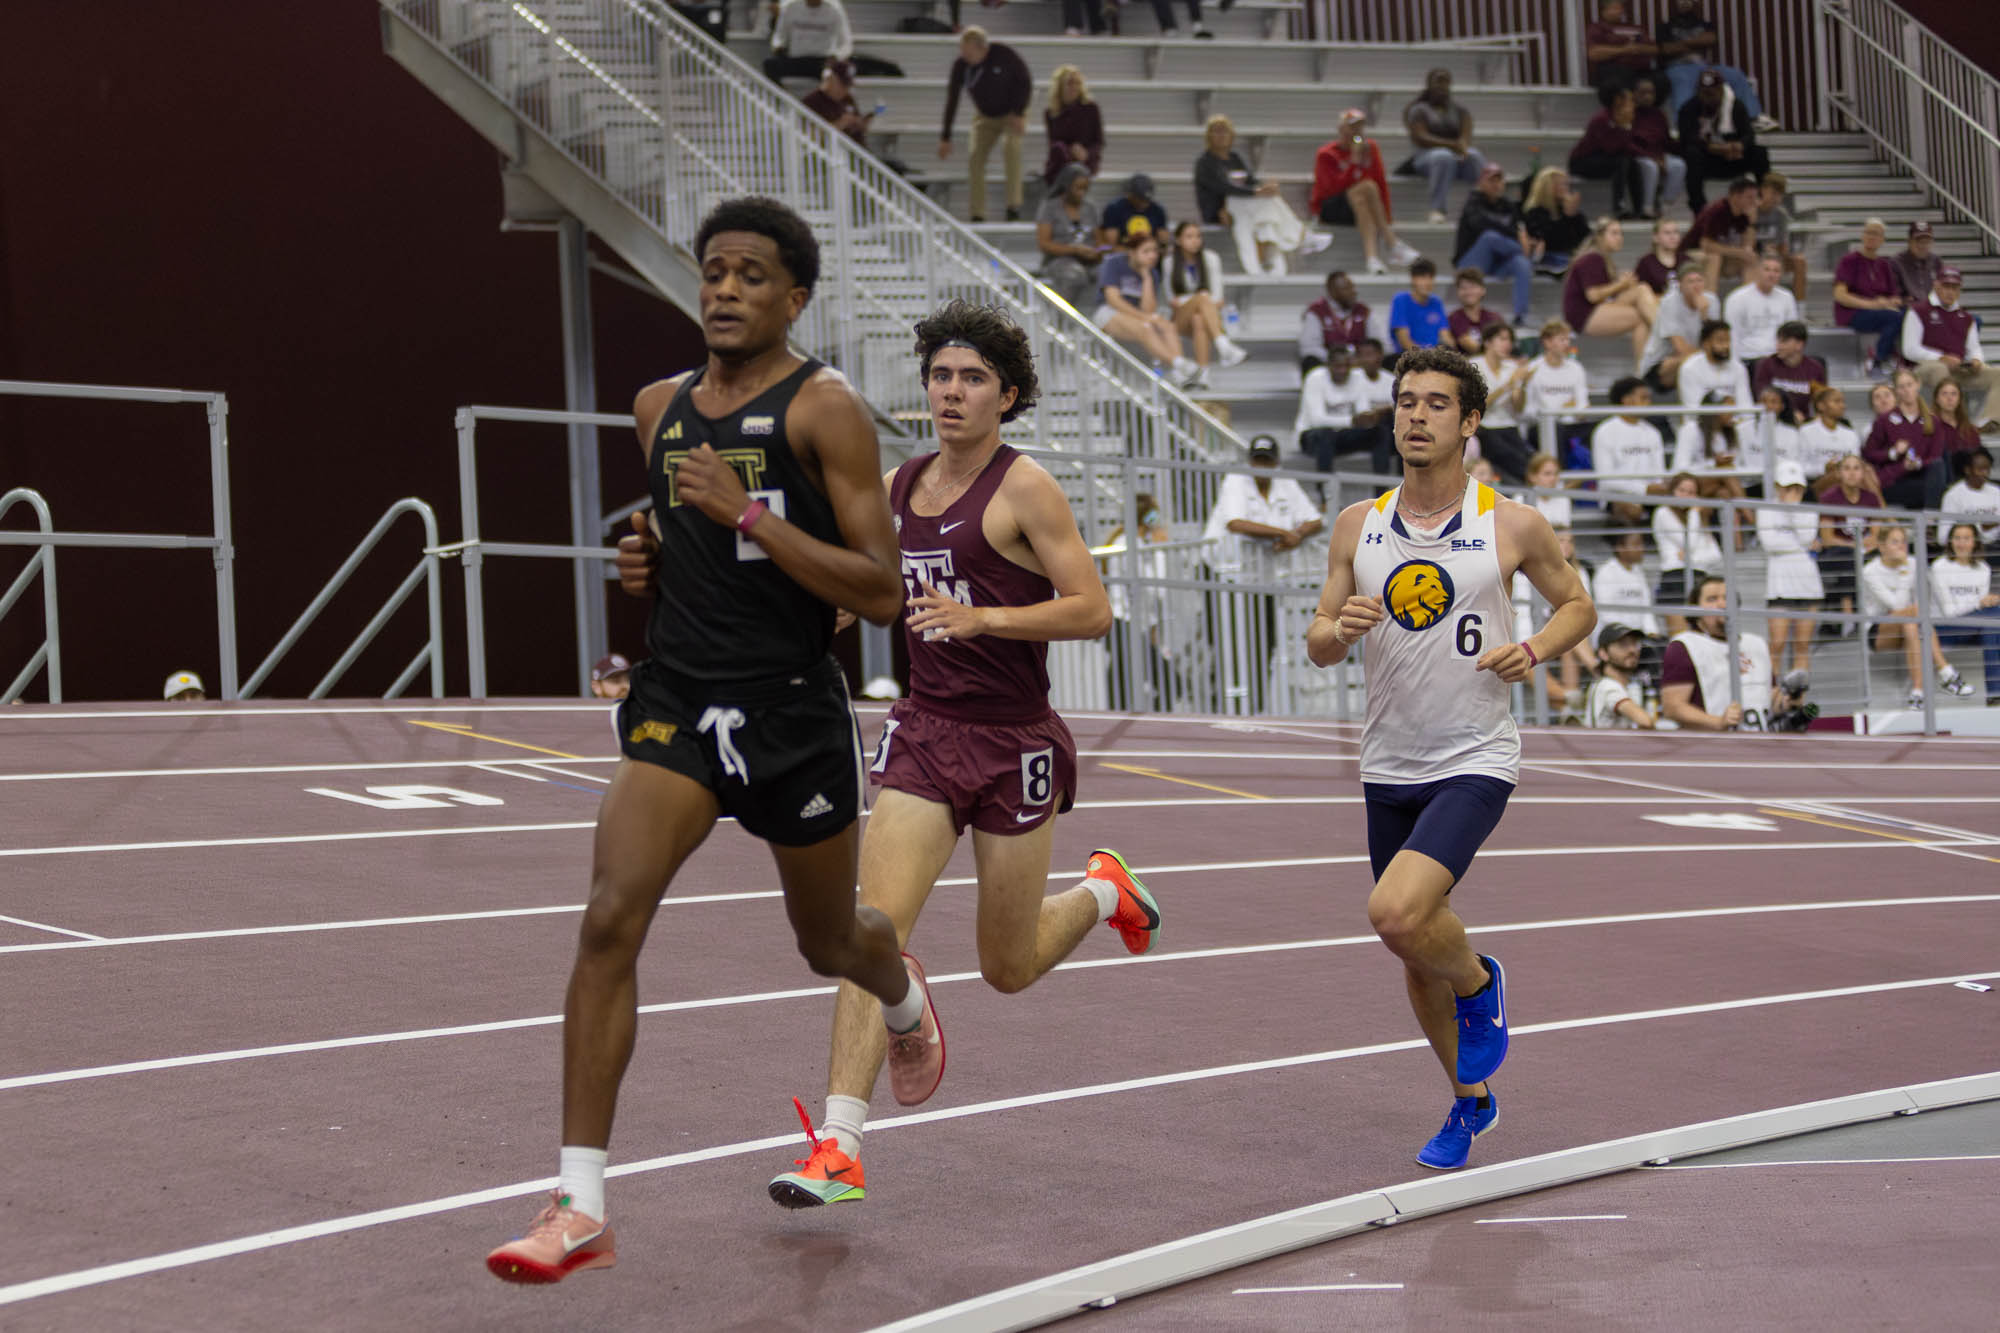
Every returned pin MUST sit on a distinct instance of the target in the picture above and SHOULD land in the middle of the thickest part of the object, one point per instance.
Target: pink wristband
(750, 516)
(1533, 661)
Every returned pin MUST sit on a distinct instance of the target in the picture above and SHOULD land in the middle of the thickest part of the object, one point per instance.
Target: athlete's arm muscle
(1523, 530)
(1342, 616)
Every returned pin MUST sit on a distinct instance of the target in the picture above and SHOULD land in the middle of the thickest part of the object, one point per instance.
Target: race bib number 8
(1038, 768)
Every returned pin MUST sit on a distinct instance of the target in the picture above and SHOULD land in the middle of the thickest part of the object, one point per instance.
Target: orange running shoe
(1137, 919)
(560, 1241)
(916, 1057)
(828, 1175)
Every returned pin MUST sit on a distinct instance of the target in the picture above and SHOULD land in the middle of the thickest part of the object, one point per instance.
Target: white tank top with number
(1711, 669)
(1430, 714)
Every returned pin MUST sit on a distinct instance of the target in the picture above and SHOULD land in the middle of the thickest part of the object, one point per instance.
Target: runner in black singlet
(769, 512)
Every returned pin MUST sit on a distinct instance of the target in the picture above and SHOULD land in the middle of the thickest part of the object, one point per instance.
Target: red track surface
(149, 1161)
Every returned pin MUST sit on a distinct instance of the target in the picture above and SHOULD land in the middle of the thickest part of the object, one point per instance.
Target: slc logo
(1418, 593)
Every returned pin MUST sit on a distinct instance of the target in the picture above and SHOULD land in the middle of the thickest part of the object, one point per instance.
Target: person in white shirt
(1375, 407)
(1889, 588)
(1619, 586)
(1710, 446)
(1500, 426)
(1327, 401)
(1941, 339)
(1556, 380)
(1676, 334)
(1257, 522)
(1688, 550)
(1790, 537)
(1975, 496)
(1775, 434)
(806, 35)
(1614, 701)
(1715, 368)
(1962, 586)
(1545, 474)
(1756, 309)
(1827, 438)
(1630, 448)
(1695, 670)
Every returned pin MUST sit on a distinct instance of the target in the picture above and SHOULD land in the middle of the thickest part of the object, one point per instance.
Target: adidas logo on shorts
(816, 807)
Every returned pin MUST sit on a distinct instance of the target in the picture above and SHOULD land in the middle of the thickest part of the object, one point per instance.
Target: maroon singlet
(987, 679)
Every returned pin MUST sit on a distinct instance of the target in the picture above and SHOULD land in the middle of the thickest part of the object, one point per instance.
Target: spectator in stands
(1616, 52)
(1506, 376)
(1962, 586)
(1756, 310)
(1904, 449)
(1974, 497)
(1325, 421)
(1724, 234)
(1130, 309)
(1075, 128)
(1714, 369)
(1889, 588)
(1717, 140)
(611, 678)
(1775, 434)
(997, 80)
(1687, 43)
(1157, 684)
(1654, 133)
(1472, 322)
(1845, 538)
(1694, 670)
(1163, 11)
(1556, 381)
(1614, 697)
(1676, 337)
(1441, 131)
(833, 101)
(1265, 228)
(1619, 586)
(1375, 406)
(1492, 237)
(1941, 338)
(1710, 446)
(1554, 218)
(1789, 370)
(1955, 431)
(1868, 295)
(1337, 319)
(1136, 202)
(183, 687)
(1351, 187)
(1194, 290)
(1611, 148)
(1688, 550)
(1252, 512)
(1917, 265)
(1066, 231)
(808, 33)
(1774, 231)
(1077, 14)
(1545, 474)
(1657, 266)
(1827, 437)
(1602, 301)
(1627, 451)
(1790, 538)
(1417, 317)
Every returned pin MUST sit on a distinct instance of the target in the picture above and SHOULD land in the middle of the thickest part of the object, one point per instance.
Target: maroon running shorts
(999, 778)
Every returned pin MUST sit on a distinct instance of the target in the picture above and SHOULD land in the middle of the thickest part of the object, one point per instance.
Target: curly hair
(1000, 342)
(1444, 361)
(797, 250)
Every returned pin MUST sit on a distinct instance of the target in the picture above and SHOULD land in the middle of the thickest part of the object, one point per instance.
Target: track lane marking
(1185, 782)
(1877, 833)
(82, 935)
(102, 1273)
(1823, 1161)
(460, 729)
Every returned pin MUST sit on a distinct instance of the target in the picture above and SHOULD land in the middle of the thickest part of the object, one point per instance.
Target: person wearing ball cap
(1942, 338)
(184, 687)
(1613, 700)
(611, 678)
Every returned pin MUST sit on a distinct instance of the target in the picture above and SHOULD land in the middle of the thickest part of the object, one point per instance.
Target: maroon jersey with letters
(987, 679)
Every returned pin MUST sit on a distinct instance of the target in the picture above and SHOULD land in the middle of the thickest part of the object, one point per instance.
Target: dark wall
(252, 198)
(1969, 27)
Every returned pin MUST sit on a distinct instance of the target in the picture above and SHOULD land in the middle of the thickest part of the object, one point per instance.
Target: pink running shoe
(916, 1057)
(560, 1241)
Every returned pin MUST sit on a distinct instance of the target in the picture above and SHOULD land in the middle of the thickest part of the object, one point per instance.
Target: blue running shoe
(1451, 1148)
(1482, 1028)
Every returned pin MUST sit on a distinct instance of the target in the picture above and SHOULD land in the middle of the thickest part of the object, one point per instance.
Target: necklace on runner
(1429, 513)
(939, 488)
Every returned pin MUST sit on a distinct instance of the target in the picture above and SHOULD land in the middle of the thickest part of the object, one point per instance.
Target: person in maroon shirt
(1905, 450)
(1790, 371)
(1867, 294)
(1472, 323)
(1611, 148)
(1656, 268)
(833, 101)
(1616, 50)
(1074, 124)
(1724, 234)
(1603, 302)
(1337, 319)
(995, 570)
(998, 81)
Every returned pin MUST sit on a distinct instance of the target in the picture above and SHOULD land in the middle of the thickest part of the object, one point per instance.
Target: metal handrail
(219, 542)
(426, 569)
(42, 561)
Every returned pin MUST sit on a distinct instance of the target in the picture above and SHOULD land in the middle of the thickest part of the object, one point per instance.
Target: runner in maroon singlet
(994, 569)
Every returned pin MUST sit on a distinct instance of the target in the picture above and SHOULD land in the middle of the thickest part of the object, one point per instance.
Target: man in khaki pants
(998, 81)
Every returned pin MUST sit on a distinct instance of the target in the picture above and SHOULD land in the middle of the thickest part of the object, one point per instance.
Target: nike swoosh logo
(837, 1171)
(1499, 1019)
(570, 1246)
(1029, 819)
(949, 526)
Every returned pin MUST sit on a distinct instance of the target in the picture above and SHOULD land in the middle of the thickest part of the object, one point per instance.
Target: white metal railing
(425, 570)
(217, 542)
(1923, 103)
(42, 562)
(671, 123)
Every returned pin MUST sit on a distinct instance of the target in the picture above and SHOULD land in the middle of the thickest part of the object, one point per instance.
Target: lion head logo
(1418, 594)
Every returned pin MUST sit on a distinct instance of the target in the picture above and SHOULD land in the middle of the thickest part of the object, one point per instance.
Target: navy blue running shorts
(1446, 820)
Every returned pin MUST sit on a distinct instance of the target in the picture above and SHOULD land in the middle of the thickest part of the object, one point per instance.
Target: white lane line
(1824, 1161)
(1073, 965)
(498, 771)
(53, 930)
(262, 770)
(1318, 1286)
(89, 1277)
(547, 766)
(1575, 1217)
(290, 839)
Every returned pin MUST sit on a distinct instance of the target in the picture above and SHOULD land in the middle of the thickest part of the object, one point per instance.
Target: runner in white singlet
(1423, 573)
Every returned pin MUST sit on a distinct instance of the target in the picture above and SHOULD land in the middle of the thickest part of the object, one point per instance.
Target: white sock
(582, 1176)
(1106, 894)
(904, 1015)
(1948, 675)
(844, 1118)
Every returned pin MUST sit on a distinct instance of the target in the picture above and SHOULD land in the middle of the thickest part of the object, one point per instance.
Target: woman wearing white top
(1827, 438)
(1194, 289)
(1962, 585)
(1889, 588)
(1710, 445)
(1500, 425)
(1791, 577)
(1687, 548)
(1776, 433)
